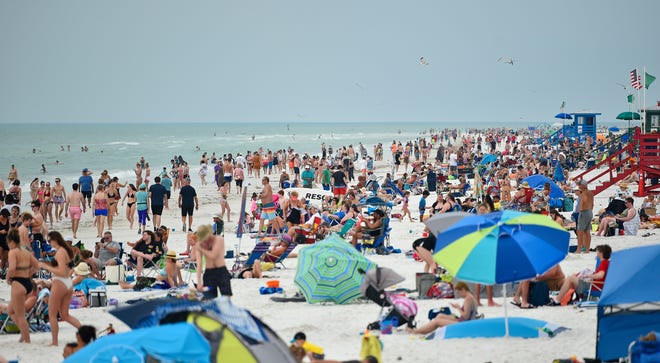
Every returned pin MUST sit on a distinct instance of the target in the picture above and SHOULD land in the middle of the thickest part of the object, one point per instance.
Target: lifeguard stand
(584, 124)
(652, 119)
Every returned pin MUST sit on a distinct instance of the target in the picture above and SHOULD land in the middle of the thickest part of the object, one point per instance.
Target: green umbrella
(328, 271)
(629, 116)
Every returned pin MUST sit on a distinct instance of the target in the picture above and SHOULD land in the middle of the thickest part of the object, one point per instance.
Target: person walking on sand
(585, 209)
(62, 286)
(59, 198)
(75, 206)
(212, 247)
(86, 184)
(187, 202)
(157, 195)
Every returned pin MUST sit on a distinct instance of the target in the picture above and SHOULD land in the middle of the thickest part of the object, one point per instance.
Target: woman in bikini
(4, 230)
(111, 198)
(130, 205)
(468, 311)
(15, 191)
(100, 209)
(62, 285)
(34, 187)
(22, 265)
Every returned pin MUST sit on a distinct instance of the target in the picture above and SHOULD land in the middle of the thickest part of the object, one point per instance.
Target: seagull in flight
(423, 61)
(624, 86)
(506, 60)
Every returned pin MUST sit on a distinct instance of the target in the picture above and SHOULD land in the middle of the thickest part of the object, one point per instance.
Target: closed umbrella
(501, 247)
(329, 271)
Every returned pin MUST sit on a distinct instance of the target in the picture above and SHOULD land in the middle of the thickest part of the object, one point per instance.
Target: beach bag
(424, 282)
(143, 282)
(569, 204)
(539, 294)
(441, 290)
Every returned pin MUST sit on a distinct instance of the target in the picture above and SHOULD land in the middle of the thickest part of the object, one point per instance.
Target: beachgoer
(157, 195)
(425, 247)
(312, 352)
(227, 174)
(585, 208)
(166, 182)
(146, 251)
(212, 247)
(224, 202)
(59, 198)
(142, 207)
(13, 174)
(308, 176)
(100, 209)
(422, 205)
(372, 228)
(86, 184)
(239, 175)
(22, 265)
(75, 206)
(554, 277)
(62, 286)
(405, 210)
(468, 311)
(130, 204)
(85, 335)
(107, 251)
(339, 182)
(267, 206)
(603, 252)
(187, 202)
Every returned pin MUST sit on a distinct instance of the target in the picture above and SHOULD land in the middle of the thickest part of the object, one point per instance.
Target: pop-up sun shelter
(629, 306)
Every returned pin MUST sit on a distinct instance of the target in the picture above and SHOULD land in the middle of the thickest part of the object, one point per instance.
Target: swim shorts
(268, 211)
(101, 212)
(157, 210)
(75, 212)
(584, 220)
(217, 278)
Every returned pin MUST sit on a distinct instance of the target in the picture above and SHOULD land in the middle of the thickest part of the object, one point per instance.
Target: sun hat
(203, 232)
(82, 269)
(524, 185)
(171, 254)
(217, 215)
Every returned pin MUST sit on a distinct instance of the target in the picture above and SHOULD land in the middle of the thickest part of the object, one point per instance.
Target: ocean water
(117, 147)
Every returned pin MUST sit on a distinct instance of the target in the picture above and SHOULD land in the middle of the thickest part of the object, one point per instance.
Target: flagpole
(644, 109)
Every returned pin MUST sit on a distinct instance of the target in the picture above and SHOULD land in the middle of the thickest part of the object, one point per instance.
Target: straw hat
(82, 269)
(217, 215)
(203, 232)
(623, 185)
(171, 254)
(525, 185)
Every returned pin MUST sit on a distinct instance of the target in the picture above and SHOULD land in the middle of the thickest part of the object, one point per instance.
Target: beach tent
(629, 306)
(180, 342)
(495, 328)
(537, 181)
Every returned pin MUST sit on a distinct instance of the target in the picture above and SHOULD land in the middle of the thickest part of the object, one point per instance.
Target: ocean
(117, 147)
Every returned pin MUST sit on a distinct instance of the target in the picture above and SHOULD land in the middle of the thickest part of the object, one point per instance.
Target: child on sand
(300, 347)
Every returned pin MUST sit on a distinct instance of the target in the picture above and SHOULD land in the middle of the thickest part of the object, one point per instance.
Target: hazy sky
(320, 61)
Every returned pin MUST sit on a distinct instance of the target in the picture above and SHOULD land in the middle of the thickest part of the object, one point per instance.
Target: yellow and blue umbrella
(501, 247)
(329, 271)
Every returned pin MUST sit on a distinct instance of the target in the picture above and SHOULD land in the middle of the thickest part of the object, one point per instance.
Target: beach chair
(36, 317)
(280, 260)
(378, 243)
(258, 250)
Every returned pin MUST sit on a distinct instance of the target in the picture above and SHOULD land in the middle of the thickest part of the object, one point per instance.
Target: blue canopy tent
(537, 181)
(180, 342)
(629, 306)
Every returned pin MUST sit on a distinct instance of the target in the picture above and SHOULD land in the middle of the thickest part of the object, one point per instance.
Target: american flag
(635, 80)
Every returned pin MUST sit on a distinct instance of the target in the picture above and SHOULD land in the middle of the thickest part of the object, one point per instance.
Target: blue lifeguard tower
(583, 124)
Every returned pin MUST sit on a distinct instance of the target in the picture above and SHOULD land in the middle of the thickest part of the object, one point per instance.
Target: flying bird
(423, 61)
(506, 60)
(624, 86)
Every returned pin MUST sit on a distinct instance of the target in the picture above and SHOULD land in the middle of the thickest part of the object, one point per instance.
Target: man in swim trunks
(75, 205)
(212, 247)
(86, 184)
(59, 197)
(227, 173)
(339, 182)
(585, 208)
(268, 210)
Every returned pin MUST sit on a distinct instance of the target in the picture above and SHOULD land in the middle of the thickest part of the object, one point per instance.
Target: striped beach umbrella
(501, 247)
(328, 271)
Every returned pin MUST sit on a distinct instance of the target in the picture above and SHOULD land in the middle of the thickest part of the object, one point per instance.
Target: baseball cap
(85, 170)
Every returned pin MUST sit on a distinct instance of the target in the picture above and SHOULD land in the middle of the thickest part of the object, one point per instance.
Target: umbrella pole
(506, 312)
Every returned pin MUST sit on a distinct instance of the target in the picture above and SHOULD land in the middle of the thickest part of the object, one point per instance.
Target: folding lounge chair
(378, 243)
(286, 253)
(347, 227)
(36, 316)
(259, 249)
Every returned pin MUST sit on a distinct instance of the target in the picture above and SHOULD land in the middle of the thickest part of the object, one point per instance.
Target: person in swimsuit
(75, 205)
(468, 311)
(62, 285)
(224, 203)
(59, 198)
(100, 209)
(130, 205)
(13, 174)
(15, 191)
(34, 187)
(39, 229)
(3, 193)
(112, 194)
(47, 207)
(22, 265)
(4, 230)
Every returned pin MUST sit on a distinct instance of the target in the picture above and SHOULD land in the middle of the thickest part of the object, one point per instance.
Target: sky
(87, 61)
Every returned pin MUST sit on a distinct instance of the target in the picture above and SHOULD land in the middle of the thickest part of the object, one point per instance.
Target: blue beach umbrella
(329, 271)
(563, 116)
(495, 328)
(613, 129)
(501, 247)
(488, 158)
(537, 181)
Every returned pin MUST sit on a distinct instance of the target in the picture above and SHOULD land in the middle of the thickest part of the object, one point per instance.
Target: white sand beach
(337, 328)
